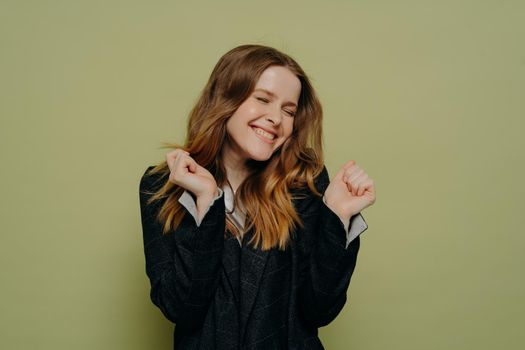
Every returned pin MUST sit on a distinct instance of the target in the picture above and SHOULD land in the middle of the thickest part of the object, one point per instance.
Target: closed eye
(262, 99)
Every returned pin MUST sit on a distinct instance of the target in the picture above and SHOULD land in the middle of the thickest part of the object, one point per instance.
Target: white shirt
(354, 227)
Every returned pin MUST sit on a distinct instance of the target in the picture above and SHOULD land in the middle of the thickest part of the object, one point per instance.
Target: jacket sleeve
(354, 227)
(328, 262)
(182, 266)
(189, 203)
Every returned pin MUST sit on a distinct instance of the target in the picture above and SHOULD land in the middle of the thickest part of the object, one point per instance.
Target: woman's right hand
(185, 172)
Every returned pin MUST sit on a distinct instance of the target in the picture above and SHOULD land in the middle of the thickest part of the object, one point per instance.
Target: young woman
(248, 245)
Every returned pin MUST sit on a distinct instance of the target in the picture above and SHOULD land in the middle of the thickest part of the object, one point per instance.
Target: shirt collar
(238, 215)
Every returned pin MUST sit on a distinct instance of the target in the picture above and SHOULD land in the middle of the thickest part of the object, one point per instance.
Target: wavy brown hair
(266, 192)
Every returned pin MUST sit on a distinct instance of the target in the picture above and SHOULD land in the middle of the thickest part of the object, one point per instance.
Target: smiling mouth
(263, 134)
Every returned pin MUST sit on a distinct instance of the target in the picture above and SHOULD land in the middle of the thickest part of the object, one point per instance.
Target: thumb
(339, 175)
(192, 167)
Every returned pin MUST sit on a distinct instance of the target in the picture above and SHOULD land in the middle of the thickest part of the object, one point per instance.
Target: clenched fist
(350, 191)
(185, 172)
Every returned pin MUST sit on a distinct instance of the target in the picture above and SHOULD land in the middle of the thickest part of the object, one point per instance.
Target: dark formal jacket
(226, 295)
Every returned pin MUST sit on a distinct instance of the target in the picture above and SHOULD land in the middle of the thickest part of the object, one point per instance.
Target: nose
(274, 116)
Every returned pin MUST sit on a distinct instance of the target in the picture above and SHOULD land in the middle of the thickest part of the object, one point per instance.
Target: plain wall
(426, 96)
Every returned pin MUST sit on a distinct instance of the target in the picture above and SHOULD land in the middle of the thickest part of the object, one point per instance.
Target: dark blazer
(224, 296)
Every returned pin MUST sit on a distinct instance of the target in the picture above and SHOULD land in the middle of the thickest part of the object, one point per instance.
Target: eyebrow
(273, 95)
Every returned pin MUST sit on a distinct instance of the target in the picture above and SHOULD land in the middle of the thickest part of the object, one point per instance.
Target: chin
(260, 157)
(259, 154)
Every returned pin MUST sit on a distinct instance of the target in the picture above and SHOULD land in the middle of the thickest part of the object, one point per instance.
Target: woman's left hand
(350, 191)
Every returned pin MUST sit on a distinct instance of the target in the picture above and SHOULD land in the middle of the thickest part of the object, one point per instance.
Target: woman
(248, 244)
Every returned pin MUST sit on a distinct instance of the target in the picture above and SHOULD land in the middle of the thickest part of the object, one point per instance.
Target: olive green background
(426, 96)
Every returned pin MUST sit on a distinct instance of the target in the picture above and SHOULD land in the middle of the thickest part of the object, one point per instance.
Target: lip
(269, 131)
(262, 137)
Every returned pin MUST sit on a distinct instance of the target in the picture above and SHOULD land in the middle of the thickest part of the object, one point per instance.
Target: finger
(173, 159)
(171, 156)
(371, 187)
(354, 182)
(187, 163)
(180, 161)
(368, 185)
(350, 188)
(361, 188)
(353, 174)
(192, 167)
(341, 172)
(176, 151)
(361, 182)
(348, 164)
(354, 187)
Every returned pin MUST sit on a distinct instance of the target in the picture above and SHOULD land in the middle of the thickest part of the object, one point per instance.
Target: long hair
(266, 192)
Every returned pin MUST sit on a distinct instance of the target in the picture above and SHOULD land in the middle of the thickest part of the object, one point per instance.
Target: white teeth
(264, 133)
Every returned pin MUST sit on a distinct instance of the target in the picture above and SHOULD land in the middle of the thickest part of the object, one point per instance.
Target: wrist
(344, 215)
(203, 200)
(207, 194)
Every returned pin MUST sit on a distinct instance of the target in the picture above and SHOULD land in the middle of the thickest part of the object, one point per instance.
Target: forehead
(280, 81)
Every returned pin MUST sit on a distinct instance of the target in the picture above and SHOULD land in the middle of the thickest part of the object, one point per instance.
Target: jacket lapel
(231, 263)
(253, 262)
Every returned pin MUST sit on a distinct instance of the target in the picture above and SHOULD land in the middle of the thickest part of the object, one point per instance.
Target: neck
(235, 165)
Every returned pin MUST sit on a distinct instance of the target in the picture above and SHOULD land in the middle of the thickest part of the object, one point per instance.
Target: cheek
(233, 128)
(288, 128)
(242, 116)
(236, 120)
(246, 109)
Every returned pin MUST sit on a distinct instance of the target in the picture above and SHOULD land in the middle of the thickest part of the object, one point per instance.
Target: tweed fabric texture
(222, 295)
